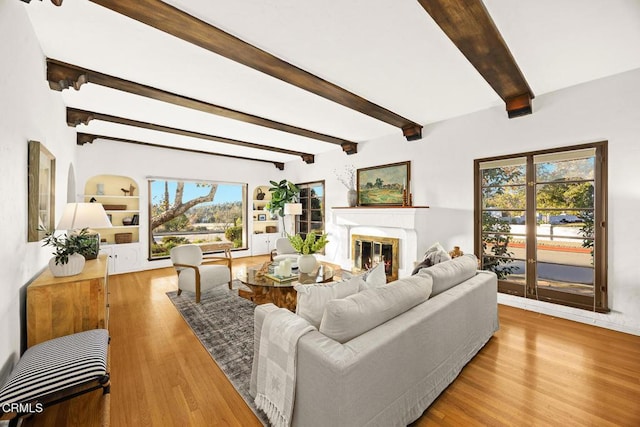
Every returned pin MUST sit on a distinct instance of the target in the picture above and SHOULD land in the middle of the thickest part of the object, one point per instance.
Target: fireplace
(368, 251)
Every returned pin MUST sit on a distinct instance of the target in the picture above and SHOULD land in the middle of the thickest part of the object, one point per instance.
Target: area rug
(223, 322)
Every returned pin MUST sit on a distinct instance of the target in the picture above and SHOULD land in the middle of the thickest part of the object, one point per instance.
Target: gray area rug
(223, 322)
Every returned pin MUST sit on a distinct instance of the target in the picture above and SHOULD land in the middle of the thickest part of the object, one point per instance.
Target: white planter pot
(306, 263)
(73, 267)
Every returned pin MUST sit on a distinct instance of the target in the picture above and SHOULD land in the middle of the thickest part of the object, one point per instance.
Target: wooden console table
(58, 306)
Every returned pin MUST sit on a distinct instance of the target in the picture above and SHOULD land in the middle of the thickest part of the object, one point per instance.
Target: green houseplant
(282, 192)
(306, 248)
(68, 255)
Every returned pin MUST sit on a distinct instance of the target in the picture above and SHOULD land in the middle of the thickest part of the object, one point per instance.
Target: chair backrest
(283, 246)
(186, 254)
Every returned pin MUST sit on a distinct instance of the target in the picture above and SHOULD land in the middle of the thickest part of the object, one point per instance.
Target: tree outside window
(195, 212)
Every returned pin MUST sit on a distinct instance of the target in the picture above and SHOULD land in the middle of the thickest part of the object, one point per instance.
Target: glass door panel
(565, 209)
(503, 204)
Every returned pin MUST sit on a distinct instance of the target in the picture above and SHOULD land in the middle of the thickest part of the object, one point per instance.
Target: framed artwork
(135, 220)
(41, 191)
(383, 185)
(262, 217)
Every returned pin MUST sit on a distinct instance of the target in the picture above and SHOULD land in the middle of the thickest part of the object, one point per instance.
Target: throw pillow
(345, 319)
(433, 248)
(432, 258)
(311, 299)
(372, 278)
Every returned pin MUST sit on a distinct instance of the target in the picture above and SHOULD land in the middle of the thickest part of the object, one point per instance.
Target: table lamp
(292, 209)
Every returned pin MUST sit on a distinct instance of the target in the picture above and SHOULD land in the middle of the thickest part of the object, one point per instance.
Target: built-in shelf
(110, 196)
(110, 186)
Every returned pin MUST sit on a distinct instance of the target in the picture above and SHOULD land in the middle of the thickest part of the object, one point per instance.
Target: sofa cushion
(313, 298)
(345, 319)
(447, 274)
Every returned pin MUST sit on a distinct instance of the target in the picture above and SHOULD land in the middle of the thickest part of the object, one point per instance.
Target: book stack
(281, 279)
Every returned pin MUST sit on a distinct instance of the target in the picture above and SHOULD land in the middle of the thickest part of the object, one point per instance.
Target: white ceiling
(388, 51)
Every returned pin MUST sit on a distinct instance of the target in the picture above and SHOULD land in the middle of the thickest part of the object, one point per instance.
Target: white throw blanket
(276, 379)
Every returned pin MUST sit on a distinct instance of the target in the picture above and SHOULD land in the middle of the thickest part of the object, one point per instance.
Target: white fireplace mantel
(407, 223)
(401, 217)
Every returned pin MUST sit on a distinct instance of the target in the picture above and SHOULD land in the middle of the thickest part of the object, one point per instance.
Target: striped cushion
(56, 365)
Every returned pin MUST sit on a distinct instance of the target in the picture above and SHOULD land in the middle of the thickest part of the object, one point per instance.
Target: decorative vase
(71, 268)
(307, 263)
(352, 198)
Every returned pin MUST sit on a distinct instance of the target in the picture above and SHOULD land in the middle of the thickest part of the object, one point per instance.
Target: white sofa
(389, 375)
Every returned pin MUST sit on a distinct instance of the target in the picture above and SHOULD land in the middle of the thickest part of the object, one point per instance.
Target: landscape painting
(383, 185)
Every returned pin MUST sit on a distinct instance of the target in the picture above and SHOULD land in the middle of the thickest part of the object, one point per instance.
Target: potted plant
(282, 192)
(306, 248)
(68, 258)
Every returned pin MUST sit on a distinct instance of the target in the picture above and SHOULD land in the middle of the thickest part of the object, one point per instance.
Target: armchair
(197, 273)
(283, 250)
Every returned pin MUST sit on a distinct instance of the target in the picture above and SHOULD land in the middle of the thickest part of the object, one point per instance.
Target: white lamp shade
(293, 209)
(83, 215)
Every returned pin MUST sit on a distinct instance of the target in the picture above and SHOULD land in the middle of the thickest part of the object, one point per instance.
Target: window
(541, 224)
(312, 200)
(184, 211)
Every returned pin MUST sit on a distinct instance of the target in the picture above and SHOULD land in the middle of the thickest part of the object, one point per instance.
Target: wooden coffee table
(265, 290)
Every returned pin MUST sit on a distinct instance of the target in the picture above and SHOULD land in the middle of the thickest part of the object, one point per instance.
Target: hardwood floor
(537, 370)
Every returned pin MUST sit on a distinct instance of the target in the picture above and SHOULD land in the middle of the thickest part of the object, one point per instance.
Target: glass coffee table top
(258, 275)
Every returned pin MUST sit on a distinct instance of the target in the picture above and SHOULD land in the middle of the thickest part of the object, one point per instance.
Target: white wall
(442, 175)
(139, 162)
(29, 110)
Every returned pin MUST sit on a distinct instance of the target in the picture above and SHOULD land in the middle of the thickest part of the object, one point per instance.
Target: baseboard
(603, 320)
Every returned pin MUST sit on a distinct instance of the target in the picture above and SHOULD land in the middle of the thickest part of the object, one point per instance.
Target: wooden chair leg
(230, 286)
(197, 291)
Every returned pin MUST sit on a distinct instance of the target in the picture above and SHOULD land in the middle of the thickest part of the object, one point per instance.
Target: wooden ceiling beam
(470, 27)
(174, 21)
(76, 116)
(61, 75)
(84, 138)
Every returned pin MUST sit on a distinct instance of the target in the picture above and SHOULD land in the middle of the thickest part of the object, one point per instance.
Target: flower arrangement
(347, 177)
(67, 245)
(308, 245)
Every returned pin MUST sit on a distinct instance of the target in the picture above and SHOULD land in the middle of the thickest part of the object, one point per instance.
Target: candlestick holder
(404, 197)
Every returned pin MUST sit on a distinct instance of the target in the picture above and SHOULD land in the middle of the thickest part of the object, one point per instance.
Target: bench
(54, 371)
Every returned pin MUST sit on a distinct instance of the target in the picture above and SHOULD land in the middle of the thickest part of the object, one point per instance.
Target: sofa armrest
(260, 313)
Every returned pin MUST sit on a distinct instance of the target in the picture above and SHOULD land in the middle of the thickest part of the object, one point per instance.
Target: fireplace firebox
(368, 251)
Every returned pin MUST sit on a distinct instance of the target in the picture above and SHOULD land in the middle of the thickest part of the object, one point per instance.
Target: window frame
(307, 218)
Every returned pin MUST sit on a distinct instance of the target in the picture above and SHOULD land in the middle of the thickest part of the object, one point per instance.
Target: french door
(541, 224)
